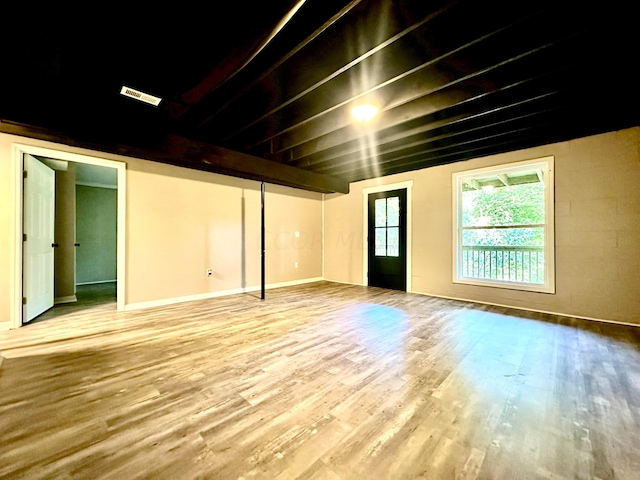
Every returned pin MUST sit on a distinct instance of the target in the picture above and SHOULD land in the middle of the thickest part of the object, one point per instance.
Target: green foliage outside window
(504, 206)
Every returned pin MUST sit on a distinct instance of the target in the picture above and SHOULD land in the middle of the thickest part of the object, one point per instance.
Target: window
(387, 227)
(504, 226)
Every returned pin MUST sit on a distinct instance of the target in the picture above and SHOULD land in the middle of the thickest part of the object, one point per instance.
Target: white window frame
(546, 166)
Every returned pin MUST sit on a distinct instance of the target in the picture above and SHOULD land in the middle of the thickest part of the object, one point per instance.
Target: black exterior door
(387, 239)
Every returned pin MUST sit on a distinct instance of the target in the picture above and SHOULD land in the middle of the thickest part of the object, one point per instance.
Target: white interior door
(38, 226)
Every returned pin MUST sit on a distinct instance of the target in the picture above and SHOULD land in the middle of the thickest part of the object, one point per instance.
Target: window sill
(526, 287)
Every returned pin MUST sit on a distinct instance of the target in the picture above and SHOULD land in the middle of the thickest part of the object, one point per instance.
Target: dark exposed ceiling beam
(184, 152)
(494, 143)
(330, 112)
(417, 153)
(335, 74)
(445, 93)
(455, 154)
(462, 126)
(448, 106)
(544, 133)
(253, 72)
(331, 45)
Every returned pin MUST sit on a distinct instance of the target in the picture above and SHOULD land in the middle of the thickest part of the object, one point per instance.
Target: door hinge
(24, 300)
(24, 237)
(24, 174)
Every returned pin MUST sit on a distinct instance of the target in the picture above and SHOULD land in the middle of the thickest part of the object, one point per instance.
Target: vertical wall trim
(322, 244)
(262, 242)
(121, 268)
(16, 245)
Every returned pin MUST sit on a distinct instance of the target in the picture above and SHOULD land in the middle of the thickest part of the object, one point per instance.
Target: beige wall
(181, 222)
(597, 215)
(284, 217)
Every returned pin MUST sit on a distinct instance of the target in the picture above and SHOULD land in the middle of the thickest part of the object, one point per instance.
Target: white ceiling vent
(138, 95)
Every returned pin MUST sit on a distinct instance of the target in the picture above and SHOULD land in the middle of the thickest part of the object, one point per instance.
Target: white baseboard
(580, 317)
(223, 293)
(69, 299)
(614, 322)
(96, 283)
(345, 283)
(291, 283)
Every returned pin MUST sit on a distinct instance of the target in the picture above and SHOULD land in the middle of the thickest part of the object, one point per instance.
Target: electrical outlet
(296, 264)
(209, 272)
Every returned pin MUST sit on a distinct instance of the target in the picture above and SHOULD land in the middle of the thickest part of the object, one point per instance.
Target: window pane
(504, 237)
(506, 254)
(393, 242)
(381, 242)
(393, 211)
(512, 205)
(381, 212)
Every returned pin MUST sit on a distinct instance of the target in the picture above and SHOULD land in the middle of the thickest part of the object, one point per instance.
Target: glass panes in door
(387, 227)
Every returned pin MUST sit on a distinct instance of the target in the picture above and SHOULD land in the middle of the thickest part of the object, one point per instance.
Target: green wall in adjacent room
(96, 221)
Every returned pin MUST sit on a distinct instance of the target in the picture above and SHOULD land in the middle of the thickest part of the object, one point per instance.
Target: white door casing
(16, 245)
(408, 185)
(38, 227)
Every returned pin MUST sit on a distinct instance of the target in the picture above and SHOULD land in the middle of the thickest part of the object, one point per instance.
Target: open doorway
(85, 239)
(97, 272)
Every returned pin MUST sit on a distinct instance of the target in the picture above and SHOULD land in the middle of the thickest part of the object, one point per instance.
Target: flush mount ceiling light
(364, 112)
(138, 95)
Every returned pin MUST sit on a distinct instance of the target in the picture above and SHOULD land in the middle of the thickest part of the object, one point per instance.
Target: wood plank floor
(320, 381)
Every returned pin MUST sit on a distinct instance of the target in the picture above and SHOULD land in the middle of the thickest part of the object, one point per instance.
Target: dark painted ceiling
(263, 90)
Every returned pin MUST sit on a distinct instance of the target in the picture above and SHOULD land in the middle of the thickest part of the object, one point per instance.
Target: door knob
(54, 245)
